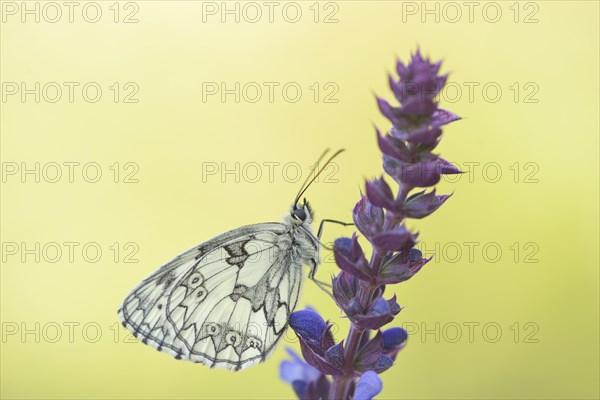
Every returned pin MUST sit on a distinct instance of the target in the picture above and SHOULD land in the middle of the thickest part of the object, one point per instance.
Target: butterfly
(226, 302)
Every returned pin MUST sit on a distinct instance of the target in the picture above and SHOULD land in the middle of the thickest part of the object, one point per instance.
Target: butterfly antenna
(308, 177)
(308, 182)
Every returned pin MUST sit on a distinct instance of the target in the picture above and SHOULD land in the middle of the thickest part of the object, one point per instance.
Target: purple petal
(369, 355)
(386, 109)
(394, 271)
(316, 357)
(393, 337)
(397, 88)
(335, 355)
(377, 315)
(423, 204)
(415, 255)
(419, 106)
(443, 117)
(327, 340)
(350, 258)
(426, 135)
(393, 146)
(317, 390)
(297, 369)
(384, 363)
(422, 174)
(394, 340)
(300, 387)
(395, 240)
(369, 385)
(368, 218)
(308, 324)
(401, 267)
(394, 306)
(380, 194)
(345, 290)
(446, 167)
(417, 265)
(400, 67)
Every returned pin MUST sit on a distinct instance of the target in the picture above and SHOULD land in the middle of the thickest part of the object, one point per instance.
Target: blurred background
(131, 131)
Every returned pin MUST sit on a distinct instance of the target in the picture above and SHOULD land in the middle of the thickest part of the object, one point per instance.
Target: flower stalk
(354, 363)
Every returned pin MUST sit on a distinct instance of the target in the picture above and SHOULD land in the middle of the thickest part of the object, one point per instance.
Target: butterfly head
(301, 213)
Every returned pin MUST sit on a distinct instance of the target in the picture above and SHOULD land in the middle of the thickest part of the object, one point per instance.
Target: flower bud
(393, 146)
(378, 314)
(368, 218)
(349, 257)
(422, 204)
(380, 194)
(308, 324)
(421, 174)
(443, 117)
(397, 239)
(315, 340)
(401, 267)
(345, 291)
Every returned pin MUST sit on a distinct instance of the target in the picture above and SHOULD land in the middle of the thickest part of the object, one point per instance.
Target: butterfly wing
(224, 303)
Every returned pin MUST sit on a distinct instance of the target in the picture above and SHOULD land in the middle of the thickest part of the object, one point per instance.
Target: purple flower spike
(349, 257)
(369, 385)
(354, 363)
(422, 204)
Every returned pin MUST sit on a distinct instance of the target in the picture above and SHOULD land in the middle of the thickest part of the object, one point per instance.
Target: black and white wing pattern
(226, 302)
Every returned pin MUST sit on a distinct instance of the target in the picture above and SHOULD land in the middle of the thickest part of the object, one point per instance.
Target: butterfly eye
(299, 214)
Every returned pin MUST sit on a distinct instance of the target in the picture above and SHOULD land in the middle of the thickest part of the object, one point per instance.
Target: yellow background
(171, 132)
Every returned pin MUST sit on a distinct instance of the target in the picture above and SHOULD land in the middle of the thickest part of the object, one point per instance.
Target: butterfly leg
(324, 286)
(335, 221)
